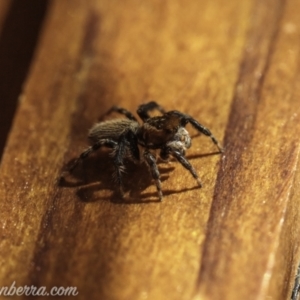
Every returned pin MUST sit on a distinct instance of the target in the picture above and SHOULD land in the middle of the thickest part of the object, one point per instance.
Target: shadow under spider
(87, 194)
(95, 174)
(193, 156)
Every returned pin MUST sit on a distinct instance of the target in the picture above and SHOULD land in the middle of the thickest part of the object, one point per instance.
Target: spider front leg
(103, 142)
(179, 155)
(205, 131)
(188, 119)
(143, 110)
(151, 161)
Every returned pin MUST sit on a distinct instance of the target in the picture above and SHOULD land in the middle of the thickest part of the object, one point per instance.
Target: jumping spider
(128, 139)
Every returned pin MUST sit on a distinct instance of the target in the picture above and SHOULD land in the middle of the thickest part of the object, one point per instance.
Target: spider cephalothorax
(128, 138)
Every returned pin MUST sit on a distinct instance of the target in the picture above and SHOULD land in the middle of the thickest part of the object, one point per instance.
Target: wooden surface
(234, 66)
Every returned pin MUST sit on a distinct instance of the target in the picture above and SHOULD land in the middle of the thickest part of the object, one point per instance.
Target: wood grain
(234, 66)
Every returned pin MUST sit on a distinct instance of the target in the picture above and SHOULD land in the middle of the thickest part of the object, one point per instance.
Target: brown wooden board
(234, 66)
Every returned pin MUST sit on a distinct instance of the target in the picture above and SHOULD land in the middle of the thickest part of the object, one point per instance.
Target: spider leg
(144, 109)
(164, 153)
(127, 141)
(151, 161)
(121, 111)
(185, 163)
(188, 119)
(206, 132)
(104, 142)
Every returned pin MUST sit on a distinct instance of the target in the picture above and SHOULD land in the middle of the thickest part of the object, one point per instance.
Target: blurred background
(20, 25)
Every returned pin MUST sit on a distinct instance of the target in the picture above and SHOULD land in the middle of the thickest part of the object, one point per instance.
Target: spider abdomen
(111, 129)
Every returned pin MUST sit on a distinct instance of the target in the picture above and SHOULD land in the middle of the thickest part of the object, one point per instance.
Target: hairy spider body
(111, 129)
(129, 139)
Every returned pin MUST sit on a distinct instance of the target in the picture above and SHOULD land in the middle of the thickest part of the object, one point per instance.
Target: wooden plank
(263, 137)
(235, 238)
